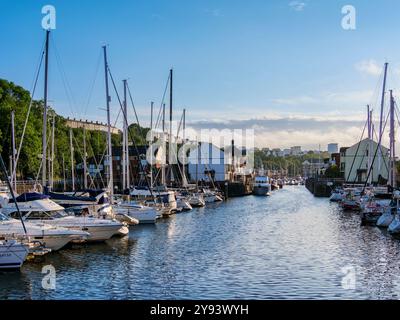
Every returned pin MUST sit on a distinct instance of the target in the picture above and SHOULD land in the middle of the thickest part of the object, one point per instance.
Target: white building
(355, 164)
(295, 151)
(333, 148)
(211, 164)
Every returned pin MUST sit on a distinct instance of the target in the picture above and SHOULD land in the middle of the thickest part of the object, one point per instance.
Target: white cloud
(297, 5)
(370, 67)
(287, 131)
(328, 100)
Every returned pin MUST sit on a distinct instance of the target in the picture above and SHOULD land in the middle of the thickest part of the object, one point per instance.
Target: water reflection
(288, 246)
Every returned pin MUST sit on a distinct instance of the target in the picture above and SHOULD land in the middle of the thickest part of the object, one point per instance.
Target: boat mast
(109, 149)
(124, 140)
(13, 180)
(164, 151)
(63, 163)
(381, 116)
(84, 160)
(183, 143)
(71, 146)
(170, 126)
(392, 143)
(44, 133)
(151, 132)
(370, 136)
(52, 152)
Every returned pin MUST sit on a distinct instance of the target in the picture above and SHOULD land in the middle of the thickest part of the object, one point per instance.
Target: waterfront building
(295, 151)
(333, 148)
(354, 162)
(314, 167)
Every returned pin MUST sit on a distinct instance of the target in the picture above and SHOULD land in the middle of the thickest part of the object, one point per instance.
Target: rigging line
(91, 87)
(129, 132)
(80, 152)
(133, 105)
(179, 127)
(162, 101)
(97, 164)
(381, 151)
(64, 79)
(4, 169)
(373, 160)
(358, 147)
(14, 173)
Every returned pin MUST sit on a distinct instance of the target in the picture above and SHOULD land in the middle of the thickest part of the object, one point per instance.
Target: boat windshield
(60, 214)
(3, 217)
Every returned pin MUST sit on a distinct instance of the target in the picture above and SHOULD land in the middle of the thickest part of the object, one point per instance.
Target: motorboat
(211, 196)
(351, 200)
(142, 214)
(91, 202)
(261, 186)
(337, 195)
(196, 200)
(379, 204)
(159, 197)
(183, 204)
(39, 209)
(12, 253)
(51, 237)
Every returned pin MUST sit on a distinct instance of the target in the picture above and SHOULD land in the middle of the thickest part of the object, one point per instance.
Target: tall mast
(183, 143)
(392, 143)
(164, 151)
(44, 133)
(151, 131)
(85, 184)
(381, 118)
(64, 177)
(170, 124)
(383, 101)
(124, 140)
(52, 153)
(370, 138)
(71, 146)
(13, 179)
(109, 149)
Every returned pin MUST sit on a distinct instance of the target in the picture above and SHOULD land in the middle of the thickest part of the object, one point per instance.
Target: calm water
(288, 246)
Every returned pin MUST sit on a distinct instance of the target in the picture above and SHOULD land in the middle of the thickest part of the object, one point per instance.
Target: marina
(287, 246)
(162, 151)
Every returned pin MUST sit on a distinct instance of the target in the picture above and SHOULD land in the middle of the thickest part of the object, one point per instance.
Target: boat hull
(261, 191)
(12, 255)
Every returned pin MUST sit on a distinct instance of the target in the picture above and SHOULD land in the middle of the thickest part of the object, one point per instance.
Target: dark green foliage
(13, 97)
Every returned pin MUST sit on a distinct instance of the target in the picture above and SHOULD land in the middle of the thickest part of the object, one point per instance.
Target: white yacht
(39, 209)
(196, 200)
(51, 237)
(261, 186)
(12, 253)
(93, 202)
(211, 196)
(163, 198)
(143, 214)
(183, 204)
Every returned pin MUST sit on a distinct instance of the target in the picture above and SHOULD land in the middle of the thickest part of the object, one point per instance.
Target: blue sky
(285, 68)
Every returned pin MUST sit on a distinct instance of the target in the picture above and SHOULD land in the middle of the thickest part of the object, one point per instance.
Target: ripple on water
(287, 246)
